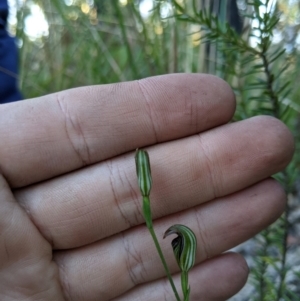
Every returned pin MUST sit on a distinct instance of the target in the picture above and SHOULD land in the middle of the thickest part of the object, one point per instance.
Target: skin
(70, 209)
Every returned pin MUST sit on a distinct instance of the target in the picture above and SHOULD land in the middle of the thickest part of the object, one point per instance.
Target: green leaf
(184, 246)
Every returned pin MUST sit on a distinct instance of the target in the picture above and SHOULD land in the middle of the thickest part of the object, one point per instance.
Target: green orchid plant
(184, 245)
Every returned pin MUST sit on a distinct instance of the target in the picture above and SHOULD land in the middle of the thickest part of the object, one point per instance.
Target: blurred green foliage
(254, 45)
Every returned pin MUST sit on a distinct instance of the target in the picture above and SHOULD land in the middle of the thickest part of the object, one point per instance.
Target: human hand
(73, 230)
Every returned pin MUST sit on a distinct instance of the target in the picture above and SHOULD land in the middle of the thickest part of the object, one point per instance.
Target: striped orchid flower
(184, 246)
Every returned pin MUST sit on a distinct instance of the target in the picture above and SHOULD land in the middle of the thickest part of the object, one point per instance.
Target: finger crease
(115, 198)
(203, 241)
(209, 165)
(74, 133)
(138, 216)
(147, 101)
(134, 263)
(64, 283)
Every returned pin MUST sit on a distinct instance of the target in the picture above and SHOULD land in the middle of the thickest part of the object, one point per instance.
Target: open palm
(71, 226)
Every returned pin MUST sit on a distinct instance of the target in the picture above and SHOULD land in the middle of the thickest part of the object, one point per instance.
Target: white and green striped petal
(184, 246)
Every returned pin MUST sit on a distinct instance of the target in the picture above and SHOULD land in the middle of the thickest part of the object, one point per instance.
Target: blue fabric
(8, 60)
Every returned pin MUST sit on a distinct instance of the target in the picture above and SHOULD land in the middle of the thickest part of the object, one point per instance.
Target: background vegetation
(254, 45)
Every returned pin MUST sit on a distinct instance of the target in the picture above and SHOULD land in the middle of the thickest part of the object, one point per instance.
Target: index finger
(55, 134)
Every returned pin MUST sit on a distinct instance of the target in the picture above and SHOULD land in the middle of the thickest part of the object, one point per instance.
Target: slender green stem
(185, 285)
(148, 219)
(131, 59)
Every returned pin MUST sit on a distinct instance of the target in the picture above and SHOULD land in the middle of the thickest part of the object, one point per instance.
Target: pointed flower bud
(184, 246)
(143, 171)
